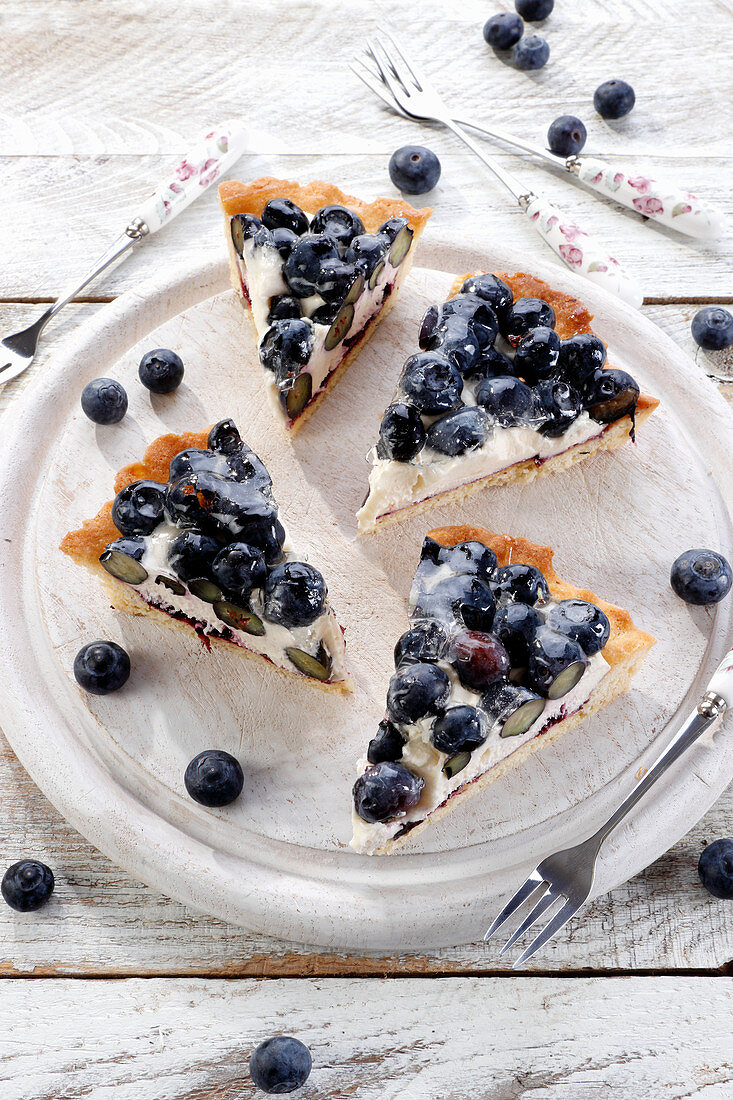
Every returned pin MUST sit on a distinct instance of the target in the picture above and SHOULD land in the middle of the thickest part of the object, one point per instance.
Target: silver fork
(417, 99)
(568, 875)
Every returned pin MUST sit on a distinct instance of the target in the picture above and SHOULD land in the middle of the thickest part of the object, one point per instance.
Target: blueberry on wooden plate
(161, 370)
(280, 1065)
(214, 778)
(715, 868)
(101, 667)
(27, 885)
(701, 576)
(385, 791)
(104, 401)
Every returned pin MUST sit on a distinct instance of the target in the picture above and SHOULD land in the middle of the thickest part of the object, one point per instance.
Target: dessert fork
(218, 150)
(568, 875)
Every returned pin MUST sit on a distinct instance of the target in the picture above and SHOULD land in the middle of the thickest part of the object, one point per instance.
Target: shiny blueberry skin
(284, 240)
(295, 594)
(224, 438)
(715, 868)
(456, 339)
(335, 279)
(492, 365)
(503, 31)
(524, 583)
(514, 624)
(566, 136)
(303, 265)
(101, 667)
(579, 358)
(471, 558)
(508, 400)
(138, 508)
(214, 778)
(238, 568)
(242, 228)
(392, 227)
(457, 432)
(479, 658)
(556, 406)
(219, 506)
(426, 640)
(610, 394)
(339, 223)
(712, 328)
(492, 289)
(325, 314)
(701, 576)
(366, 251)
(414, 169)
(283, 307)
(534, 10)
(386, 791)
(27, 885)
(585, 623)
(476, 311)
(417, 690)
(460, 729)
(104, 401)
(280, 1065)
(401, 433)
(432, 383)
(537, 354)
(531, 53)
(284, 214)
(387, 745)
(464, 598)
(286, 347)
(161, 370)
(526, 314)
(550, 653)
(614, 99)
(191, 555)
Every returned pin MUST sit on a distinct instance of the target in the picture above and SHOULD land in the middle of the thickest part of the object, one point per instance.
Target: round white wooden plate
(277, 859)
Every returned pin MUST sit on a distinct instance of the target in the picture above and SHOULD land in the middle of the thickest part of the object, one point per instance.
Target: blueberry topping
(414, 169)
(338, 223)
(715, 868)
(101, 667)
(614, 99)
(240, 464)
(701, 576)
(417, 690)
(566, 136)
(537, 354)
(161, 370)
(460, 729)
(295, 594)
(284, 240)
(470, 557)
(104, 401)
(191, 555)
(283, 307)
(456, 339)
(531, 53)
(224, 438)
(479, 659)
(611, 394)
(585, 623)
(392, 228)
(492, 289)
(340, 326)
(239, 618)
(524, 583)
(218, 506)
(242, 227)
(303, 265)
(504, 30)
(465, 599)
(387, 745)
(317, 668)
(325, 314)
(534, 10)
(514, 625)
(27, 885)
(367, 251)
(122, 558)
(426, 640)
(556, 406)
(508, 401)
(282, 1064)
(138, 508)
(401, 433)
(428, 327)
(526, 314)
(432, 383)
(284, 214)
(556, 663)
(476, 311)
(461, 431)
(386, 791)
(214, 778)
(298, 395)
(512, 707)
(579, 358)
(286, 347)
(335, 279)
(238, 568)
(712, 328)
(493, 363)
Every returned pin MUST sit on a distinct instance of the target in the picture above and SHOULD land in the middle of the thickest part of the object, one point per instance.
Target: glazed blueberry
(122, 559)
(614, 99)
(101, 667)
(508, 400)
(138, 508)
(478, 658)
(325, 314)
(104, 401)
(283, 307)
(566, 136)
(426, 640)
(286, 347)
(284, 240)
(471, 558)
(387, 745)
(712, 328)
(513, 707)
(460, 729)
(191, 555)
(503, 31)
(432, 383)
(224, 438)
(303, 265)
(238, 568)
(556, 406)
(414, 169)
(214, 778)
(386, 791)
(457, 432)
(465, 599)
(335, 279)
(366, 251)
(537, 354)
(585, 623)
(280, 1065)
(610, 394)
(456, 339)
(526, 314)
(219, 506)
(417, 690)
(284, 214)
(401, 433)
(492, 289)
(242, 228)
(523, 583)
(514, 625)
(338, 223)
(295, 594)
(579, 358)
(27, 885)
(476, 311)
(531, 53)
(161, 370)
(534, 10)
(492, 365)
(701, 576)
(392, 227)
(715, 868)
(555, 664)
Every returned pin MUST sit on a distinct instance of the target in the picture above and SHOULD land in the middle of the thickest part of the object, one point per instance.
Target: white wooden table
(96, 101)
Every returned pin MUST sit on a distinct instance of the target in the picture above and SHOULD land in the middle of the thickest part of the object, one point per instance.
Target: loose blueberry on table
(534, 10)
(715, 868)
(414, 169)
(104, 401)
(614, 99)
(566, 136)
(161, 370)
(712, 328)
(531, 53)
(701, 576)
(503, 31)
(214, 778)
(280, 1065)
(27, 885)
(102, 667)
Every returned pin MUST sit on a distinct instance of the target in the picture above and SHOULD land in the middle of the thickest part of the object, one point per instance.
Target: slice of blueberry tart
(511, 382)
(193, 537)
(500, 658)
(317, 271)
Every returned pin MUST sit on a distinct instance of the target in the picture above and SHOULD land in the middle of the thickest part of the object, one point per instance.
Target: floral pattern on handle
(654, 198)
(581, 252)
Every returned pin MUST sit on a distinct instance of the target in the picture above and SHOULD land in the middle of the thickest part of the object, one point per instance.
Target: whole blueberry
(476, 311)
(556, 406)
(101, 667)
(339, 223)
(614, 99)
(27, 885)
(417, 690)
(712, 328)
(508, 400)
(221, 507)
(460, 729)
(303, 265)
(280, 1065)
(537, 354)
(457, 339)
(432, 383)
(238, 568)
(386, 791)
(492, 289)
(531, 53)
(502, 31)
(224, 438)
(566, 136)
(104, 401)
(284, 214)
(582, 621)
(514, 624)
(284, 240)
(161, 370)
(460, 599)
(414, 169)
(387, 745)
(401, 433)
(138, 508)
(295, 594)
(526, 314)
(214, 778)
(715, 868)
(191, 554)
(534, 10)
(471, 558)
(286, 347)
(701, 576)
(493, 364)
(426, 640)
(579, 358)
(610, 394)
(335, 279)
(524, 583)
(461, 431)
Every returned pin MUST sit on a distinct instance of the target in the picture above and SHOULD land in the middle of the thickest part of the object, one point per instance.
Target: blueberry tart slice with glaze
(317, 271)
(510, 383)
(193, 537)
(499, 650)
